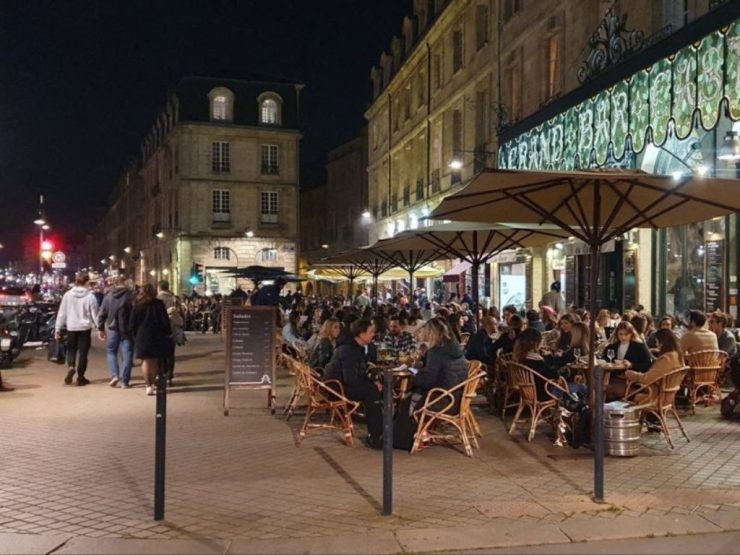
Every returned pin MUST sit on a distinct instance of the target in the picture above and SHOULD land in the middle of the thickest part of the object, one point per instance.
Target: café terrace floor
(77, 464)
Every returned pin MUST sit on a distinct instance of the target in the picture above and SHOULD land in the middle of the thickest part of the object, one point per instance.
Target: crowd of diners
(342, 337)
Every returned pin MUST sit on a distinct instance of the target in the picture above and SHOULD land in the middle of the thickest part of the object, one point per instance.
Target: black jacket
(119, 298)
(445, 367)
(541, 367)
(322, 354)
(348, 364)
(505, 342)
(638, 354)
(150, 326)
(480, 347)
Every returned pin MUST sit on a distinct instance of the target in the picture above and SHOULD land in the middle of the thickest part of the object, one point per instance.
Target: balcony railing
(270, 169)
(221, 217)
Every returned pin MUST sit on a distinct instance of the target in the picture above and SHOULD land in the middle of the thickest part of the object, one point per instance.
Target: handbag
(404, 426)
(178, 336)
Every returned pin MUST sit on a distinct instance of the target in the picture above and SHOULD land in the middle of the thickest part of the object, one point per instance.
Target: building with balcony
(216, 183)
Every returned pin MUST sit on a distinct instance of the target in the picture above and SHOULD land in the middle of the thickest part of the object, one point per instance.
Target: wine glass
(610, 355)
(577, 354)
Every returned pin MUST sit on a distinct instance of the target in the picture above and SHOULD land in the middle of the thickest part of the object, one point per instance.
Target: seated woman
(506, 340)
(444, 363)
(349, 365)
(632, 352)
(604, 327)
(666, 322)
(328, 335)
(578, 341)
(670, 358)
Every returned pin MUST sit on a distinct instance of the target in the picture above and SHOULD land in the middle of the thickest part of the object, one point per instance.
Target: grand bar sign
(250, 351)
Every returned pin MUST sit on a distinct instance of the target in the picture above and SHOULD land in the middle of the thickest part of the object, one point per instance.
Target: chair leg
(519, 410)
(533, 424)
(680, 424)
(420, 431)
(666, 431)
(505, 401)
(306, 422)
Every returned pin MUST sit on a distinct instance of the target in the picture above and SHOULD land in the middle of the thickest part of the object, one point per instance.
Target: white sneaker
(113, 382)
(149, 390)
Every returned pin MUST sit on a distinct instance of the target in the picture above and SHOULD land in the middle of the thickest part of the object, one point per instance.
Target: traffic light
(46, 250)
(196, 274)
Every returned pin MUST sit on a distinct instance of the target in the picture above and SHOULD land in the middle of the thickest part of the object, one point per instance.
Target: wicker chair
(704, 371)
(438, 422)
(524, 378)
(464, 338)
(661, 400)
(505, 388)
(327, 396)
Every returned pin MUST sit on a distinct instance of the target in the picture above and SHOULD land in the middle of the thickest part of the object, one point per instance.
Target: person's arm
(103, 314)
(61, 320)
(643, 359)
(427, 377)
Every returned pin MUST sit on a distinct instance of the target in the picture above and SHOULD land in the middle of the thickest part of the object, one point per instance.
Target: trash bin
(621, 429)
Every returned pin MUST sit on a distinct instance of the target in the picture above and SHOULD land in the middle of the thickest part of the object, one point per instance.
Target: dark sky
(81, 83)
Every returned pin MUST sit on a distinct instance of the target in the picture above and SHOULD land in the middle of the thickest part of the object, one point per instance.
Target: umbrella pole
(474, 278)
(351, 292)
(411, 284)
(597, 382)
(375, 290)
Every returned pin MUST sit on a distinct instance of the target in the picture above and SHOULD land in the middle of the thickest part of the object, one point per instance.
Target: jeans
(369, 395)
(78, 346)
(126, 345)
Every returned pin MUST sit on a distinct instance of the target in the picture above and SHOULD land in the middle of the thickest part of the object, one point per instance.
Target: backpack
(404, 426)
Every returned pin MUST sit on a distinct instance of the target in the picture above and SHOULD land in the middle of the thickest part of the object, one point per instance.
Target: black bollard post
(160, 445)
(387, 442)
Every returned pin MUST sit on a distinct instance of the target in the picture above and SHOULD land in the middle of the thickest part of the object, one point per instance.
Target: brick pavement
(78, 462)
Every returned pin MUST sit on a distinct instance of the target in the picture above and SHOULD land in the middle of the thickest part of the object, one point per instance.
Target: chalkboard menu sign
(250, 350)
(713, 273)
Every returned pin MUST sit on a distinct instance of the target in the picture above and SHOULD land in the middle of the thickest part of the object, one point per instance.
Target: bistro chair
(703, 376)
(505, 387)
(300, 386)
(446, 416)
(327, 396)
(464, 338)
(661, 400)
(524, 378)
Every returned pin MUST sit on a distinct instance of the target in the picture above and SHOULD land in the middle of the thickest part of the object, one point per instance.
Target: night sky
(81, 84)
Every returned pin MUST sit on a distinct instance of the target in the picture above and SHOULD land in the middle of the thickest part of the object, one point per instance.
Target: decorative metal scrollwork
(610, 44)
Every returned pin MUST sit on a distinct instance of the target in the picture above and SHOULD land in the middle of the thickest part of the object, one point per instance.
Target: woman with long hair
(669, 358)
(526, 352)
(630, 351)
(151, 329)
(578, 346)
(444, 362)
(604, 327)
(506, 340)
(327, 341)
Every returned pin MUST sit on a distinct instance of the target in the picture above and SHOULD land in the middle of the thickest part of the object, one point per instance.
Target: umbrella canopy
(594, 206)
(422, 273)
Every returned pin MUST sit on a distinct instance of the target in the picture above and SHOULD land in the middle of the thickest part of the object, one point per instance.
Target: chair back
(522, 378)
(464, 338)
(705, 365)
(475, 375)
(669, 385)
(300, 350)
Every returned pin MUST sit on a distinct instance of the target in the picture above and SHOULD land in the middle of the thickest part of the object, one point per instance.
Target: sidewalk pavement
(77, 477)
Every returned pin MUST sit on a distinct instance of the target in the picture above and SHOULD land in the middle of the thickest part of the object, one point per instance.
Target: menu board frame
(229, 383)
(714, 274)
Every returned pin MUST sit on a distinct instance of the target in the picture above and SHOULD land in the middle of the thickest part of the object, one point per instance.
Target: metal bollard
(160, 445)
(387, 442)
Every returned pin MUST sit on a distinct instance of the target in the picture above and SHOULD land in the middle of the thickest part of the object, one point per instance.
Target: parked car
(13, 296)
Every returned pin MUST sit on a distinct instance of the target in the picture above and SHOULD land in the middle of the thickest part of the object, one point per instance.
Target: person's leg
(169, 362)
(127, 350)
(83, 348)
(71, 346)
(114, 341)
(149, 369)
(373, 414)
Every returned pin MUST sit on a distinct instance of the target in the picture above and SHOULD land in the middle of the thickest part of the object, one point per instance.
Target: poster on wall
(714, 260)
(513, 285)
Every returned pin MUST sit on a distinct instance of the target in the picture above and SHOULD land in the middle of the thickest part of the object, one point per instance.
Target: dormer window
(270, 106)
(222, 104)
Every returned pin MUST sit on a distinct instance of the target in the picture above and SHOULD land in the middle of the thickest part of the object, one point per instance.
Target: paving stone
(116, 546)
(11, 544)
(582, 529)
(371, 544)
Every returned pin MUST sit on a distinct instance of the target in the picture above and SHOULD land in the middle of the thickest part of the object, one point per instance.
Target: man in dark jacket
(348, 364)
(480, 346)
(269, 295)
(113, 320)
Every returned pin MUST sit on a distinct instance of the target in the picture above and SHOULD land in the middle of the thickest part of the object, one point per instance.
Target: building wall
(169, 190)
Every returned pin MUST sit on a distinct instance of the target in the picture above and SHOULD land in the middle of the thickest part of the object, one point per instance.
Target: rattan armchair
(524, 379)
(661, 400)
(505, 388)
(439, 422)
(464, 338)
(327, 396)
(703, 376)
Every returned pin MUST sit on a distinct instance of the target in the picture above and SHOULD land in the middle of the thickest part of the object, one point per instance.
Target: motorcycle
(9, 347)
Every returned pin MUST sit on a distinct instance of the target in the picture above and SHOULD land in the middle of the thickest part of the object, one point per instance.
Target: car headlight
(5, 343)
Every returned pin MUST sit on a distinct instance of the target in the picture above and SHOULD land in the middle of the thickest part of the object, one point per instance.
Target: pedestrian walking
(150, 326)
(78, 314)
(114, 320)
(177, 323)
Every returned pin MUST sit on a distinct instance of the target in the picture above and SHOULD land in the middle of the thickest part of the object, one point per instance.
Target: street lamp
(366, 214)
(127, 250)
(159, 234)
(249, 233)
(457, 164)
(43, 225)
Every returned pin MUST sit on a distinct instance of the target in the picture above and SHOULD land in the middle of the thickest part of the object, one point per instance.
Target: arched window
(222, 104)
(269, 112)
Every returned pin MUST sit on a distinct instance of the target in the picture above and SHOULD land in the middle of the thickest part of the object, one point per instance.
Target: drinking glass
(610, 355)
(577, 353)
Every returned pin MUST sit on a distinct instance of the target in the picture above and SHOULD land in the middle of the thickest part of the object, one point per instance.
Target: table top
(606, 366)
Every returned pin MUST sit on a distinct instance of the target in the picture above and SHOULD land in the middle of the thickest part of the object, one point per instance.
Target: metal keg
(621, 429)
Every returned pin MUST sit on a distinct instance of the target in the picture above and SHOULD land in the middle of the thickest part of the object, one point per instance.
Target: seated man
(398, 341)
(349, 365)
(698, 338)
(480, 346)
(725, 339)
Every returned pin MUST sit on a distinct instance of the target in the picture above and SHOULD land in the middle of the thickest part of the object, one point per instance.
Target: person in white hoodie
(78, 313)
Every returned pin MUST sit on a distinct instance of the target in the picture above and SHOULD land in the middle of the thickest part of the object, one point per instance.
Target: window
(221, 253)
(514, 83)
(268, 255)
(511, 8)
(552, 59)
(437, 71)
(269, 207)
(394, 202)
(269, 158)
(220, 108)
(220, 160)
(420, 189)
(221, 205)
(421, 86)
(269, 112)
(481, 21)
(407, 195)
(457, 50)
(457, 132)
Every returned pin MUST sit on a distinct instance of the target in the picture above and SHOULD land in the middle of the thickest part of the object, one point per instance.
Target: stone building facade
(460, 74)
(216, 184)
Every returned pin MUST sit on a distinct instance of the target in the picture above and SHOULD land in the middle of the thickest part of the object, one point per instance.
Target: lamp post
(43, 226)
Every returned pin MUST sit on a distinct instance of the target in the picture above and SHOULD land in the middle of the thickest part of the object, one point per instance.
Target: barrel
(621, 429)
